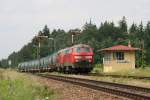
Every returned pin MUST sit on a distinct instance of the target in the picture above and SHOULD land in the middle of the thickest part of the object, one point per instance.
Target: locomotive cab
(82, 54)
(83, 57)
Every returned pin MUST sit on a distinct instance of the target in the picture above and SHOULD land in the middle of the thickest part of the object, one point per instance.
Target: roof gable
(120, 48)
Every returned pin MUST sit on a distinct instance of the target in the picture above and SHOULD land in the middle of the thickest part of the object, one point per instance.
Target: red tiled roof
(120, 48)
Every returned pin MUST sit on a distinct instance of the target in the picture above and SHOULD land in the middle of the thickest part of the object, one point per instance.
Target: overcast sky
(20, 20)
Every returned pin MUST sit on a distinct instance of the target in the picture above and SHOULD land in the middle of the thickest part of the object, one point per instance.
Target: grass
(136, 72)
(18, 86)
(129, 81)
(98, 68)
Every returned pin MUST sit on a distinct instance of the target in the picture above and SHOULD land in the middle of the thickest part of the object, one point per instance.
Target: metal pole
(73, 33)
(38, 50)
(72, 39)
(9, 63)
(54, 44)
(39, 55)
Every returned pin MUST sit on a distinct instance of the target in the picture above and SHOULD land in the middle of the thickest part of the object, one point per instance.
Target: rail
(118, 76)
(133, 92)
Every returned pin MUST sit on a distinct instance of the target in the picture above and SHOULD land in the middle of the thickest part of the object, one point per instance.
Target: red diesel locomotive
(75, 59)
(78, 58)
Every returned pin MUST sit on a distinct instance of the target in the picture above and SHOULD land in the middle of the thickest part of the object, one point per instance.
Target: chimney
(129, 43)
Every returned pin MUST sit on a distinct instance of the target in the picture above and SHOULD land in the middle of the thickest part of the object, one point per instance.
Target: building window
(107, 57)
(120, 55)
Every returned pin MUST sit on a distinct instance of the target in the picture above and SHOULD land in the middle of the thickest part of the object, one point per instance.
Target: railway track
(118, 76)
(128, 91)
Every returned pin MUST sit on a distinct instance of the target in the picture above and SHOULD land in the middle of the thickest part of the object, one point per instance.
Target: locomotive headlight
(88, 57)
(77, 60)
(77, 57)
(90, 60)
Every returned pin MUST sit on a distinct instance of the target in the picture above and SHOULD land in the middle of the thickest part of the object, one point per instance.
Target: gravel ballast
(67, 91)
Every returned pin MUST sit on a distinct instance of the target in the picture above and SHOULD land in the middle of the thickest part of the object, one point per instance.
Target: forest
(105, 35)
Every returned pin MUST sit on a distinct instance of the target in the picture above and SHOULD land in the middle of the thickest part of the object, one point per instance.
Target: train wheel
(76, 70)
(67, 69)
(58, 69)
(70, 69)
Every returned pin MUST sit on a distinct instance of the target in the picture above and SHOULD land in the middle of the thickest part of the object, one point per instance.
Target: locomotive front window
(82, 49)
(86, 49)
(78, 50)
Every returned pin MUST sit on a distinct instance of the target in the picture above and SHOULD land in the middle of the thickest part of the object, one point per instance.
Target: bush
(98, 68)
(23, 88)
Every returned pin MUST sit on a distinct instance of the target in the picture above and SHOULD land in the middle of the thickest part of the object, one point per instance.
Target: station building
(119, 57)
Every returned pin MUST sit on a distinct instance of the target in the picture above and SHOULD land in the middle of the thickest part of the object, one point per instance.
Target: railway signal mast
(9, 63)
(39, 46)
(73, 33)
(53, 43)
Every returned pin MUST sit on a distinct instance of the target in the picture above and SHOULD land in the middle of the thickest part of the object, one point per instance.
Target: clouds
(20, 20)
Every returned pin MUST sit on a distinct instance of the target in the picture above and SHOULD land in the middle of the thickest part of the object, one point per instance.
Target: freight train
(74, 59)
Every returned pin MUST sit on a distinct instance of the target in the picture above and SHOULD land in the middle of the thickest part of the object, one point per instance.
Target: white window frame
(119, 55)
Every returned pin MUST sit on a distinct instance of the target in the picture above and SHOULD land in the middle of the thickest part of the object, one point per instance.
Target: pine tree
(133, 29)
(123, 25)
(147, 42)
(40, 33)
(140, 33)
(108, 34)
(46, 31)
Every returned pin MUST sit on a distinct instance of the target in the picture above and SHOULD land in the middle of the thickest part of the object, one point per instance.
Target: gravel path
(66, 91)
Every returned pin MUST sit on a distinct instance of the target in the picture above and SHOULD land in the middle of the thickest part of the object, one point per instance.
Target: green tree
(147, 42)
(141, 31)
(123, 25)
(133, 29)
(106, 35)
(46, 31)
